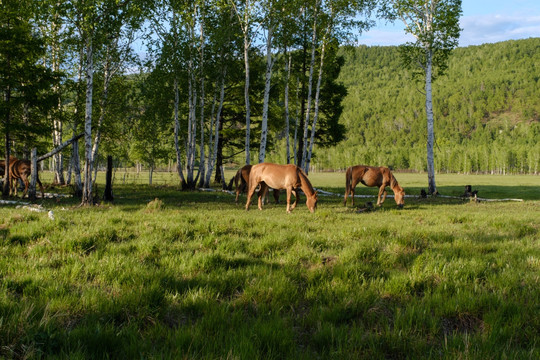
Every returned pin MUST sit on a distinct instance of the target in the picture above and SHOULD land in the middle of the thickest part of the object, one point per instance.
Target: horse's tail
(229, 187)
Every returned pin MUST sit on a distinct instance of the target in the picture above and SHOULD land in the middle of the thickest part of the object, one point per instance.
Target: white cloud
(477, 30)
(380, 37)
(493, 28)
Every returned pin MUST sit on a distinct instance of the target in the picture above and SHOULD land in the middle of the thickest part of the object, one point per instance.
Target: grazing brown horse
(241, 179)
(20, 169)
(373, 176)
(288, 177)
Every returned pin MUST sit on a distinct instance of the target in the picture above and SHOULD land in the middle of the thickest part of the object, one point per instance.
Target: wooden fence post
(108, 195)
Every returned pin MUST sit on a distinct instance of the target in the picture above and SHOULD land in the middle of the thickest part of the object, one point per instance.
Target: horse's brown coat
(288, 177)
(20, 169)
(241, 179)
(373, 176)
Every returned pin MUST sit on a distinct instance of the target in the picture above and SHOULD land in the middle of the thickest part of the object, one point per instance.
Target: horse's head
(399, 196)
(311, 202)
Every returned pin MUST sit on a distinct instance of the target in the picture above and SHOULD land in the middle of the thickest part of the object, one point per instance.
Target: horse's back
(275, 175)
(372, 175)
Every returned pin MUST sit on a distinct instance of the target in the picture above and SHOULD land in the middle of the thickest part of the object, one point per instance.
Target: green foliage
(26, 84)
(150, 278)
(487, 112)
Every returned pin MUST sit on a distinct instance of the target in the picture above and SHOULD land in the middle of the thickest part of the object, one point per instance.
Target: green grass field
(167, 274)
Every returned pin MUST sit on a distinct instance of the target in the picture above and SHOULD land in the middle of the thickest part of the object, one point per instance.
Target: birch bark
(310, 87)
(268, 78)
(217, 127)
(201, 170)
(87, 198)
(432, 188)
(179, 166)
(286, 103)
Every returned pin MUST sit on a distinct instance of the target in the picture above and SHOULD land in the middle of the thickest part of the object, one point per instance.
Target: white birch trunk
(208, 173)
(57, 123)
(268, 78)
(179, 166)
(295, 142)
(217, 125)
(317, 93)
(246, 93)
(103, 110)
(192, 121)
(430, 135)
(87, 198)
(75, 159)
(310, 86)
(201, 170)
(286, 103)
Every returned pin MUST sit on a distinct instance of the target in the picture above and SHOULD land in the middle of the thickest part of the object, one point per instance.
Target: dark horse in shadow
(19, 169)
(373, 176)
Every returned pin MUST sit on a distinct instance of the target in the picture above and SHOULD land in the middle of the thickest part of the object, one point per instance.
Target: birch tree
(340, 17)
(168, 57)
(116, 52)
(272, 16)
(221, 39)
(51, 21)
(435, 27)
(310, 83)
(291, 10)
(93, 20)
(245, 12)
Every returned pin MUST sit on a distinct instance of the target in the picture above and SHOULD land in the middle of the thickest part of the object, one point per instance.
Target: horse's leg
(348, 178)
(24, 178)
(354, 182)
(295, 193)
(276, 195)
(265, 195)
(381, 192)
(251, 190)
(240, 188)
(384, 195)
(12, 188)
(289, 191)
(261, 194)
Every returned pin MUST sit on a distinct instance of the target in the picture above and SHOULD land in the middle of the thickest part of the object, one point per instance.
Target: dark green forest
(487, 111)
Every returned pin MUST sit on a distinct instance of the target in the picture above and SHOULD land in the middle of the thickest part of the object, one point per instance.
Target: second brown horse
(288, 177)
(373, 176)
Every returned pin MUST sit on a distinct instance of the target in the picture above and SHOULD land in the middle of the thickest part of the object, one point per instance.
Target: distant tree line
(487, 111)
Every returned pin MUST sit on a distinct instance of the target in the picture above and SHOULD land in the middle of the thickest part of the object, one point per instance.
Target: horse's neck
(305, 184)
(394, 184)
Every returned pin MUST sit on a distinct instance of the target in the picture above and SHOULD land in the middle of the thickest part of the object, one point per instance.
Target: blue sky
(483, 21)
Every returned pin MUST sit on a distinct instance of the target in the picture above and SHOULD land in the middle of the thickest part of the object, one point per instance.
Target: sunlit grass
(161, 273)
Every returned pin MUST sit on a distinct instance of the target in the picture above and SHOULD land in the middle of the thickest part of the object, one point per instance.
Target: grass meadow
(166, 274)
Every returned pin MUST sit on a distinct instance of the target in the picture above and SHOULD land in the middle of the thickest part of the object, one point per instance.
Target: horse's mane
(304, 179)
(393, 182)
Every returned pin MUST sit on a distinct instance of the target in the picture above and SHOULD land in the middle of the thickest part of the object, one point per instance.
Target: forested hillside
(487, 111)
